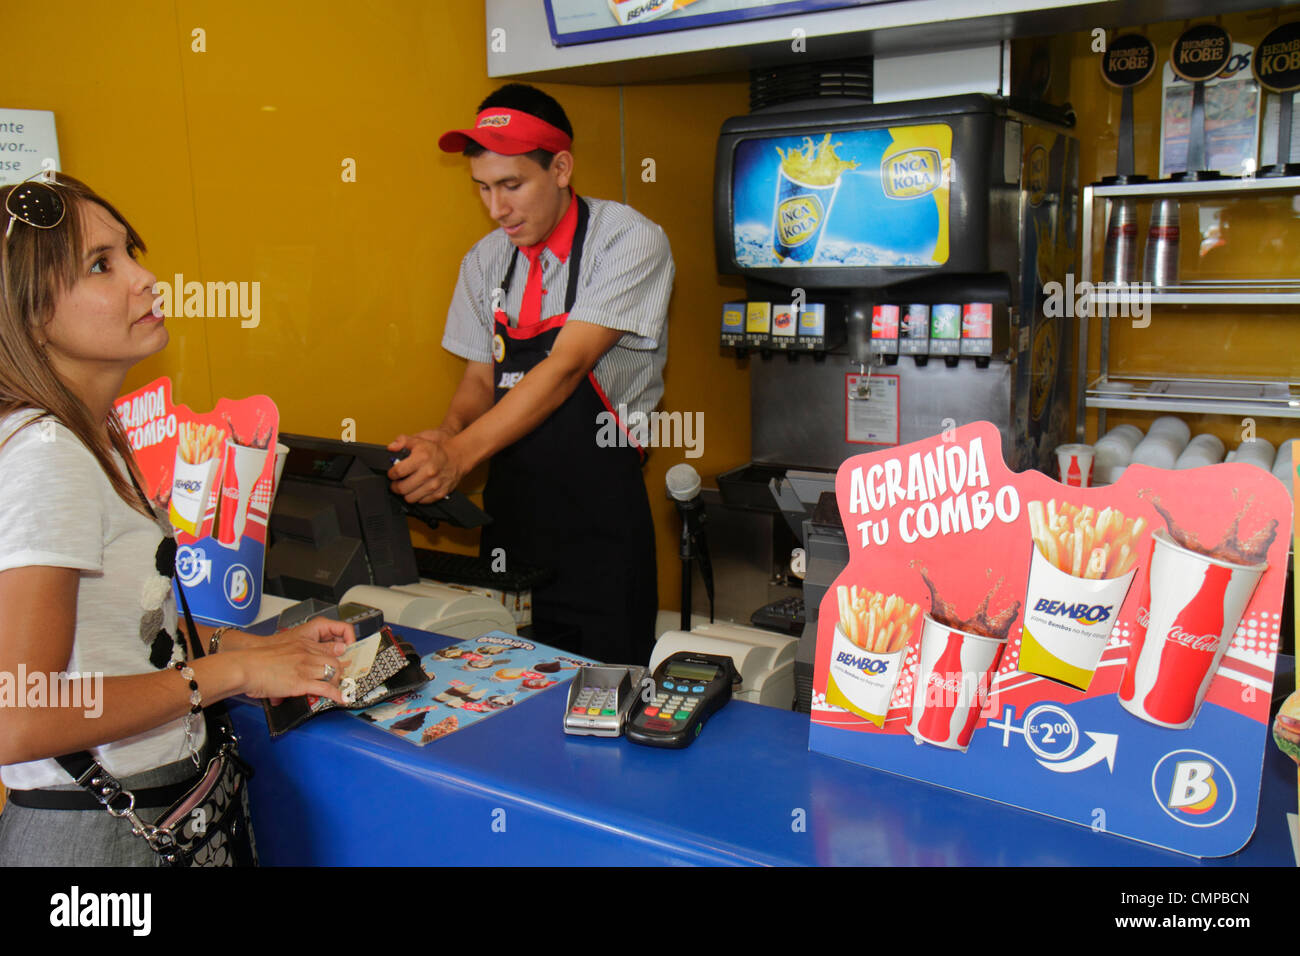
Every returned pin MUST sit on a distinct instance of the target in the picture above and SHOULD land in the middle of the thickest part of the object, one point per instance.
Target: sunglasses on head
(36, 202)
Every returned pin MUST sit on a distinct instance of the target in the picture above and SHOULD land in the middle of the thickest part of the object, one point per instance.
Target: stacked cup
(1258, 452)
(1164, 442)
(1282, 467)
(1113, 452)
(1201, 451)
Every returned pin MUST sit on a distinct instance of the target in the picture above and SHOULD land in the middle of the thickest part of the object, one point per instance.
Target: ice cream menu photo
(214, 475)
(1101, 655)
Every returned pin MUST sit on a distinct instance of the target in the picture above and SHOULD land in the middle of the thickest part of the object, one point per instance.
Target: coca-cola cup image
(281, 453)
(243, 467)
(862, 681)
(1192, 607)
(953, 678)
(1075, 462)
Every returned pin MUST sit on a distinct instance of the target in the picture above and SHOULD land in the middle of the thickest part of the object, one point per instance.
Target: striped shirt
(624, 281)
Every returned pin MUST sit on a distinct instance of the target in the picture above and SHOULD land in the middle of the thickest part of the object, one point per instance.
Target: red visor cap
(508, 132)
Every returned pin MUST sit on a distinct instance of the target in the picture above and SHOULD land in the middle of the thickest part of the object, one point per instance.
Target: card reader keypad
(596, 702)
(675, 700)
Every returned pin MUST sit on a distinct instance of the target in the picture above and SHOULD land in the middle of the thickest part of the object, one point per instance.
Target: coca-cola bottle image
(1190, 650)
(954, 676)
(1195, 602)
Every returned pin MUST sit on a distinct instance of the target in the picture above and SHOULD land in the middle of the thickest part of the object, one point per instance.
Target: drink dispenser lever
(858, 321)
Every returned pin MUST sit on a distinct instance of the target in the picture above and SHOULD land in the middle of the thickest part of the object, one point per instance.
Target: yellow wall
(1250, 342)
(229, 162)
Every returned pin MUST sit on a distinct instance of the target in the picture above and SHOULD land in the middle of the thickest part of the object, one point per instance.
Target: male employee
(561, 315)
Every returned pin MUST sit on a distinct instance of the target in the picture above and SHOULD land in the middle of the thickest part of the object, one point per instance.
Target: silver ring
(329, 673)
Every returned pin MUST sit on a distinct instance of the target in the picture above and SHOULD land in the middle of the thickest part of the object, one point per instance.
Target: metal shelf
(1205, 187)
(1205, 292)
(1273, 399)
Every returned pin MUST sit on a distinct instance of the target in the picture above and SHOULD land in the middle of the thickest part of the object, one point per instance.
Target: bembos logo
(187, 484)
(913, 173)
(650, 6)
(1194, 788)
(1083, 613)
(865, 664)
(1195, 642)
(497, 120)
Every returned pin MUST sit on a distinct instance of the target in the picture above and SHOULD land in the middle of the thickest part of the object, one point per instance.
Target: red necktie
(530, 311)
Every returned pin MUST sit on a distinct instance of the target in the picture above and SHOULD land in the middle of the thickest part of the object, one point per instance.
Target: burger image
(1286, 727)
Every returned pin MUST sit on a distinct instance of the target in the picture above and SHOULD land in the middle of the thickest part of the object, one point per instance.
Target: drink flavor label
(812, 320)
(213, 475)
(1101, 655)
(874, 197)
(784, 323)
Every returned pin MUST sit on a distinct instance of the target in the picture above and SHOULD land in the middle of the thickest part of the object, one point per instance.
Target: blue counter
(515, 789)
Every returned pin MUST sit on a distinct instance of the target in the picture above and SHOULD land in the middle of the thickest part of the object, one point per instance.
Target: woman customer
(85, 563)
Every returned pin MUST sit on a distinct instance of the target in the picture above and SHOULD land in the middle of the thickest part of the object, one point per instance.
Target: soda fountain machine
(895, 258)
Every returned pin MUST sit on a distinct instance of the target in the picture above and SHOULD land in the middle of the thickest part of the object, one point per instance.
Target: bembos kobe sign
(1277, 59)
(1128, 60)
(1200, 52)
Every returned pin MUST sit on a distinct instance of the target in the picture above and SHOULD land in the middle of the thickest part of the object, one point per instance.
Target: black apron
(560, 501)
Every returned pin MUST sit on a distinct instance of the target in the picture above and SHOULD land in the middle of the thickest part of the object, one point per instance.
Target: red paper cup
(1184, 627)
(953, 678)
(1076, 464)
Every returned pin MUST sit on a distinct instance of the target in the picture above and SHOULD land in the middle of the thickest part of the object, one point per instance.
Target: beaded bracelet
(196, 707)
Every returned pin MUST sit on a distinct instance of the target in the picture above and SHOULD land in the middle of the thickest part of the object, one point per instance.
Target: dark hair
(530, 100)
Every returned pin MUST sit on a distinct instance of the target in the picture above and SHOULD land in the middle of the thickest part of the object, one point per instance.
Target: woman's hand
(315, 631)
(293, 668)
(320, 630)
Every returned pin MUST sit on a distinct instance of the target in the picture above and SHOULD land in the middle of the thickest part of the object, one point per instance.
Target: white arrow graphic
(1103, 747)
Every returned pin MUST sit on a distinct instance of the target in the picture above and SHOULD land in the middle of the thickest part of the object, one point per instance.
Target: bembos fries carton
(628, 12)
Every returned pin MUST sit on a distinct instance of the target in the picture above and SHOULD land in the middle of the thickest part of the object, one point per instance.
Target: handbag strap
(89, 773)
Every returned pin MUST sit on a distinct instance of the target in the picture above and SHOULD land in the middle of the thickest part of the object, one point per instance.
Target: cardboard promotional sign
(1101, 655)
(213, 474)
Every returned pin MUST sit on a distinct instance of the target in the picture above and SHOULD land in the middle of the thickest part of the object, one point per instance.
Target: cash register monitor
(336, 523)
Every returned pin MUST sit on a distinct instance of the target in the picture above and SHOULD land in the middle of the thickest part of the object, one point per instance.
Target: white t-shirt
(57, 509)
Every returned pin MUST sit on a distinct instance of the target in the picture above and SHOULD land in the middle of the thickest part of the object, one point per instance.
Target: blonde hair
(37, 267)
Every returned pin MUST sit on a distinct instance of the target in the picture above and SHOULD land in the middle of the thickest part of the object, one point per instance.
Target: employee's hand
(430, 473)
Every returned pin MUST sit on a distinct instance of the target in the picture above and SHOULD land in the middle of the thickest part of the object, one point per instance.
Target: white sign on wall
(28, 144)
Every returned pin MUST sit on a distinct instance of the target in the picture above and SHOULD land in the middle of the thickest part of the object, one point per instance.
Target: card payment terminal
(600, 699)
(689, 687)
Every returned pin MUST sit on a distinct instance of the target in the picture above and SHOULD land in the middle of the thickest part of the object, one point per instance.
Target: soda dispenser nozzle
(858, 322)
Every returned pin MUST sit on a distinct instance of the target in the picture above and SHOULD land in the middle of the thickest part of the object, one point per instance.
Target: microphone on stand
(684, 488)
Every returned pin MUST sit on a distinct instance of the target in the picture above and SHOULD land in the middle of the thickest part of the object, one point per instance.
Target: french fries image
(199, 443)
(876, 623)
(1084, 542)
